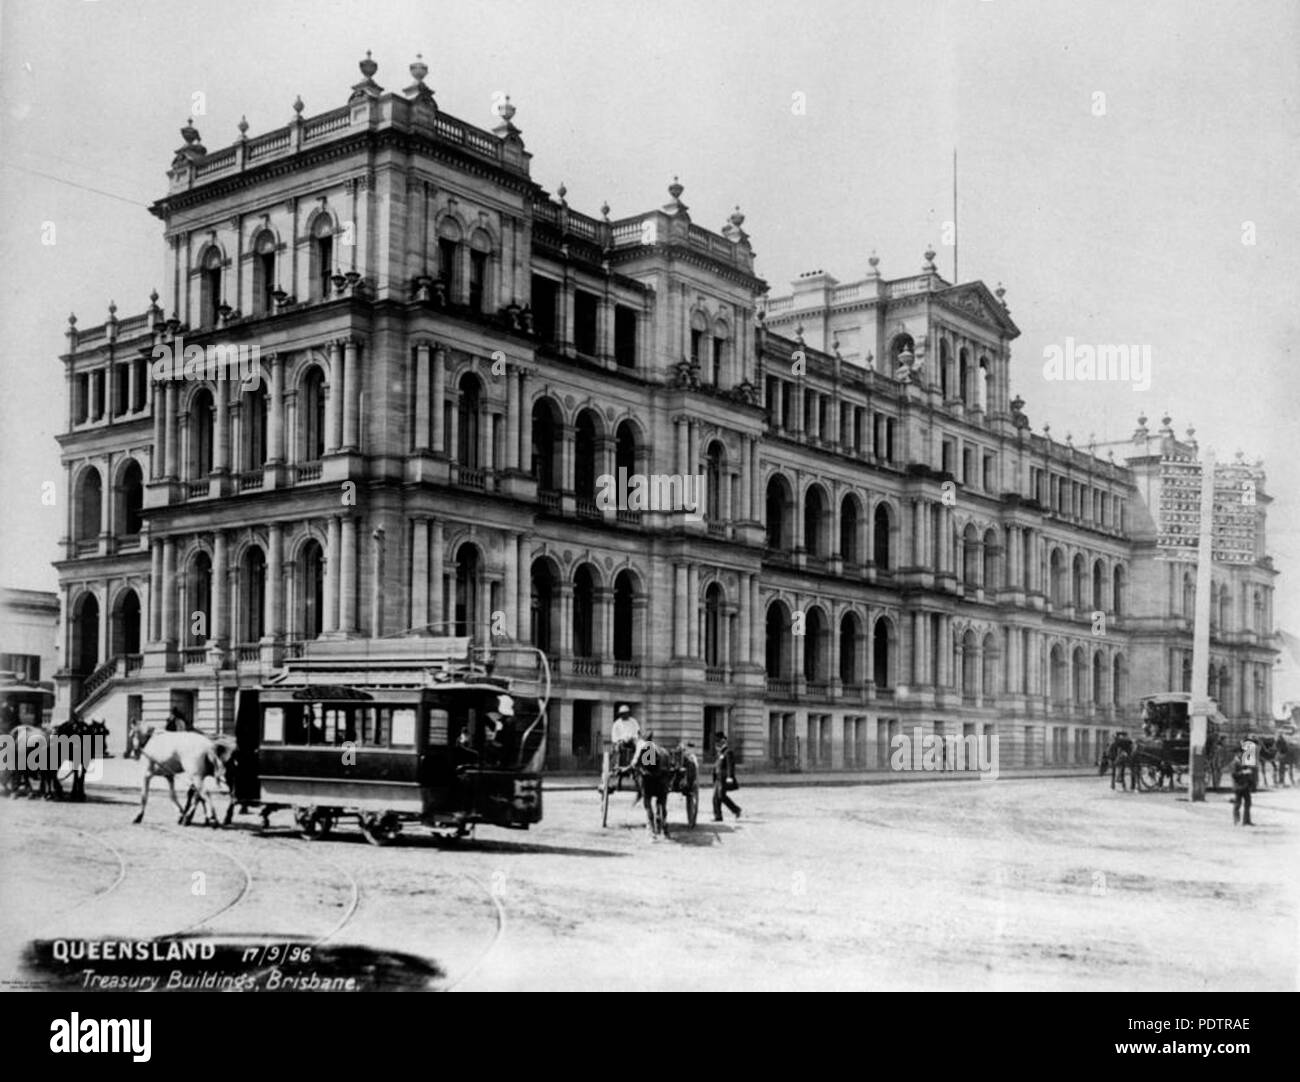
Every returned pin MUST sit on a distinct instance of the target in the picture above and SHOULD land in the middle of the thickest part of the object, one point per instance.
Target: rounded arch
(450, 226)
(85, 633)
(628, 599)
(202, 428)
(882, 526)
(252, 593)
(1057, 672)
(779, 507)
(310, 571)
(991, 553)
(1079, 673)
(815, 653)
(969, 662)
(1098, 676)
(816, 521)
(1117, 590)
(547, 436)
(629, 445)
(945, 366)
(468, 567)
(1119, 680)
(778, 655)
(586, 585)
(588, 452)
(545, 576)
(126, 638)
(311, 413)
(850, 529)
(850, 645)
(1098, 584)
(321, 229)
(470, 404)
(130, 499)
(989, 654)
(884, 651)
(715, 458)
(1079, 569)
(1056, 576)
(715, 601)
(970, 554)
(89, 503)
(901, 343)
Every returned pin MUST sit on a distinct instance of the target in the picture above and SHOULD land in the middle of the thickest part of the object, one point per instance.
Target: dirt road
(1044, 884)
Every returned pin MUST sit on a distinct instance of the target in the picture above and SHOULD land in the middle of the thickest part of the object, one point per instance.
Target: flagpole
(1200, 706)
(955, 279)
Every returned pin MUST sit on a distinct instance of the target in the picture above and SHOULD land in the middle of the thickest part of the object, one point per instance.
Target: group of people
(1244, 768)
(630, 744)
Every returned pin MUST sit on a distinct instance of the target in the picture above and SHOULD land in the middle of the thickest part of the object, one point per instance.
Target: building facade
(29, 634)
(400, 377)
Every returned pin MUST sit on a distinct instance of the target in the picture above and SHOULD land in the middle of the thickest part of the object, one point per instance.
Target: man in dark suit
(724, 770)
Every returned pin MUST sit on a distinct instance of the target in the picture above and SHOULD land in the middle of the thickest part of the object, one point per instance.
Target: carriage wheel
(692, 806)
(1148, 776)
(309, 823)
(380, 829)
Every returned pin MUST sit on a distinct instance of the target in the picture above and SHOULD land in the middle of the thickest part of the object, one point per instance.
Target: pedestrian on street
(624, 735)
(1250, 759)
(1120, 754)
(1242, 781)
(724, 777)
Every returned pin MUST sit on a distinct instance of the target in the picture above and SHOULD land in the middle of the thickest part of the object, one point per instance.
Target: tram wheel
(692, 806)
(310, 824)
(380, 829)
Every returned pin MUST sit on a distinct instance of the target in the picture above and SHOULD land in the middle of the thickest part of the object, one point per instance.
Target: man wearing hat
(1250, 761)
(724, 777)
(624, 734)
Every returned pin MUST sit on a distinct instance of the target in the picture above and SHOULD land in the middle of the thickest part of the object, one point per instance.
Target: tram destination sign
(1179, 512)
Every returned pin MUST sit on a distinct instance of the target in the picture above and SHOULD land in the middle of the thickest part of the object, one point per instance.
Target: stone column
(334, 415)
(348, 574)
(168, 591)
(275, 424)
(421, 441)
(436, 406)
(173, 430)
(512, 420)
(275, 580)
(217, 630)
(693, 610)
(524, 591)
(683, 445)
(680, 641)
(155, 590)
(333, 558)
(757, 622)
(435, 578)
(419, 573)
(158, 460)
(511, 583)
(525, 428)
(352, 396)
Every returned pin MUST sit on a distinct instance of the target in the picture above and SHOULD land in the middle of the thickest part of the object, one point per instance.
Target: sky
(1127, 172)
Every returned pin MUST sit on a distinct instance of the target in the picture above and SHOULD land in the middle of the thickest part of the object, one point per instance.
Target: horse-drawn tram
(397, 732)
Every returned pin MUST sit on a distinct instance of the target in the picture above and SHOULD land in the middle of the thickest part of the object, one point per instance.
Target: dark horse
(654, 768)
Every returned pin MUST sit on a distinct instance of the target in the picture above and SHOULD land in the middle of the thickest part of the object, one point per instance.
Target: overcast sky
(1117, 218)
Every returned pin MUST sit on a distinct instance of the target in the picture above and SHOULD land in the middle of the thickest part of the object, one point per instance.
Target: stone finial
(367, 87)
(798, 332)
(737, 219)
(112, 310)
(418, 69)
(604, 211)
(417, 90)
(1166, 420)
(929, 259)
(72, 319)
(243, 127)
(297, 105)
(368, 66)
(506, 110)
(1001, 294)
(1191, 432)
(874, 263)
(153, 298)
(562, 191)
(190, 133)
(675, 189)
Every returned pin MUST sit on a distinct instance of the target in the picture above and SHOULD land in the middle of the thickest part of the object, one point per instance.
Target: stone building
(402, 375)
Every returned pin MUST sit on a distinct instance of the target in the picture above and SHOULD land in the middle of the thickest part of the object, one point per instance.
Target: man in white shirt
(624, 735)
(1250, 759)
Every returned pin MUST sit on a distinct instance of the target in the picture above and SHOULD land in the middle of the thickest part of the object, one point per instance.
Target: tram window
(404, 728)
(273, 725)
(438, 727)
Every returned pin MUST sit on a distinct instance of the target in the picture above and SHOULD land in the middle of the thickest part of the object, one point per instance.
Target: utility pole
(1200, 709)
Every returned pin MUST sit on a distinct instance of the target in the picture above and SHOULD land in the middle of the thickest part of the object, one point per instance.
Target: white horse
(166, 754)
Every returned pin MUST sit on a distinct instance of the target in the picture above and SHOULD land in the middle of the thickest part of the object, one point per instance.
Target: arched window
(311, 414)
(624, 608)
(625, 447)
(1098, 668)
(945, 362)
(586, 452)
(322, 258)
(1119, 681)
(882, 528)
(713, 617)
(264, 283)
(1079, 674)
(814, 646)
(253, 423)
(468, 407)
(126, 624)
(969, 663)
(1058, 674)
(198, 621)
(989, 661)
(254, 595)
(777, 644)
(131, 491)
(449, 237)
(90, 495)
(1260, 620)
(311, 590)
(882, 653)
(970, 555)
(963, 376)
(210, 288)
(467, 576)
(1098, 579)
(544, 599)
(902, 351)
(850, 519)
(1117, 591)
(202, 425)
(1056, 573)
(716, 478)
(584, 609)
(480, 248)
(779, 501)
(816, 531)
(1080, 580)
(983, 376)
(849, 637)
(546, 445)
(85, 635)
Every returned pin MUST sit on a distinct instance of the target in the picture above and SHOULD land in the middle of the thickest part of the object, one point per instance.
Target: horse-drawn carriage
(415, 731)
(657, 771)
(1161, 751)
